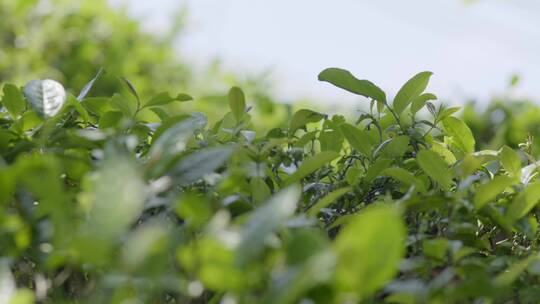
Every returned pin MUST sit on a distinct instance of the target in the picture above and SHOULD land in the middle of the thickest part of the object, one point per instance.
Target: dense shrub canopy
(99, 205)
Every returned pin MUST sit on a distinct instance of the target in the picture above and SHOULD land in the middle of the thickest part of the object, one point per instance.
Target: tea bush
(98, 205)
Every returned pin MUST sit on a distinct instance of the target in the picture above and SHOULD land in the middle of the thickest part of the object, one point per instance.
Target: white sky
(472, 49)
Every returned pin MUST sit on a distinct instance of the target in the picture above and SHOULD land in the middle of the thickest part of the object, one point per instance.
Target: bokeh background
(472, 47)
(484, 53)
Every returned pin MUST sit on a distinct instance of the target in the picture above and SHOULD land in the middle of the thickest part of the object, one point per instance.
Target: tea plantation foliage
(396, 206)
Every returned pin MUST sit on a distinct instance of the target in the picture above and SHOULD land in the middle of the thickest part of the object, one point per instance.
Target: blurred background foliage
(70, 40)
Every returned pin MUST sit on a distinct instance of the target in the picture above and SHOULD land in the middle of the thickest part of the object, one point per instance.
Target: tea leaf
(378, 236)
(434, 166)
(345, 80)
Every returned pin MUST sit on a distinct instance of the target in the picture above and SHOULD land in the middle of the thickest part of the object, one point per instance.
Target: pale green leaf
(264, 221)
(419, 101)
(510, 160)
(411, 89)
(461, 135)
(435, 167)
(358, 139)
(369, 249)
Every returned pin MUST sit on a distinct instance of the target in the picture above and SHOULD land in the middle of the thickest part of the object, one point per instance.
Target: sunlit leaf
(358, 139)
(434, 166)
(411, 89)
(46, 97)
(378, 236)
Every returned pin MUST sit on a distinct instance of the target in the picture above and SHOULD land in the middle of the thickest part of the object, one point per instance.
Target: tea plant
(98, 205)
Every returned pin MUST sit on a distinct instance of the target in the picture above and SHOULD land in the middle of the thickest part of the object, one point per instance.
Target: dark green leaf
(237, 102)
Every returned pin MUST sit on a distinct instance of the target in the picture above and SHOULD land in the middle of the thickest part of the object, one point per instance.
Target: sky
(472, 49)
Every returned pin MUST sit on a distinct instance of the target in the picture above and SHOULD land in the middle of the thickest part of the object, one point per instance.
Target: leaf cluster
(398, 206)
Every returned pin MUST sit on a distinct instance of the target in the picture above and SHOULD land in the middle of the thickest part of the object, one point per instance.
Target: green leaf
(164, 98)
(331, 141)
(75, 103)
(488, 191)
(509, 275)
(345, 80)
(123, 104)
(264, 221)
(174, 139)
(444, 113)
(369, 251)
(419, 101)
(193, 209)
(395, 148)
(259, 189)
(110, 119)
(461, 135)
(199, 164)
(524, 202)
(46, 97)
(303, 117)
(411, 89)
(131, 89)
(375, 169)
(162, 114)
(310, 165)
(511, 161)
(237, 103)
(436, 248)
(98, 105)
(358, 139)
(170, 121)
(446, 154)
(115, 195)
(435, 167)
(327, 200)
(87, 87)
(405, 177)
(13, 100)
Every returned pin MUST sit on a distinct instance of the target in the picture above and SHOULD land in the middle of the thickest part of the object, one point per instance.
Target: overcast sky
(472, 49)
